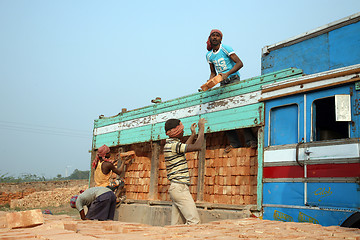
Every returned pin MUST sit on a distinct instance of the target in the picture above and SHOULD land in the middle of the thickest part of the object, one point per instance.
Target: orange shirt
(101, 180)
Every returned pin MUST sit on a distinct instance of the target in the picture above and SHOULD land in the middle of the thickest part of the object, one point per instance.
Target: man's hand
(201, 123)
(224, 75)
(193, 129)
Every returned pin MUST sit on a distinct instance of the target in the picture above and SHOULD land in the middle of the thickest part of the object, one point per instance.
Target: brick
(245, 190)
(3, 221)
(210, 153)
(24, 219)
(233, 180)
(221, 171)
(253, 171)
(71, 226)
(240, 161)
(244, 171)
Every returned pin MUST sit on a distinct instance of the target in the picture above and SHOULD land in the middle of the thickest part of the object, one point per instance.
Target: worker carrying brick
(100, 201)
(177, 169)
(224, 61)
(104, 168)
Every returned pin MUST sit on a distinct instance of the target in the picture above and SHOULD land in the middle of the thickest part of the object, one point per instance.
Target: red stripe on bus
(334, 170)
(318, 170)
(283, 172)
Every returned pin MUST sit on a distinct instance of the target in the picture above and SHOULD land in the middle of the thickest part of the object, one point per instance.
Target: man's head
(103, 151)
(174, 128)
(73, 201)
(214, 39)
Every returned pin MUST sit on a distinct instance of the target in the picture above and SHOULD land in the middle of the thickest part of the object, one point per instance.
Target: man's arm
(212, 71)
(238, 64)
(109, 166)
(193, 134)
(199, 141)
(82, 215)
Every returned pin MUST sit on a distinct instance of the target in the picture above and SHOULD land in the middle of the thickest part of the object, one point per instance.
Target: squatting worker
(100, 201)
(224, 61)
(104, 167)
(177, 169)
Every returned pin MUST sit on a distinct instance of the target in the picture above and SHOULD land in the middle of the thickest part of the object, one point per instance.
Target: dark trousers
(230, 80)
(103, 207)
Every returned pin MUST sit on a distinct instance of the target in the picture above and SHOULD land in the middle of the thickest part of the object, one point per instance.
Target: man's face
(108, 155)
(215, 39)
(182, 133)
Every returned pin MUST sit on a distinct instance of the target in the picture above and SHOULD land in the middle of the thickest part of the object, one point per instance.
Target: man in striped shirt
(177, 169)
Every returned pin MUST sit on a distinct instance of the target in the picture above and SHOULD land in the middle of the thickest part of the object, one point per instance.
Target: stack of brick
(137, 178)
(230, 178)
(163, 182)
(193, 165)
(6, 197)
(62, 227)
(56, 197)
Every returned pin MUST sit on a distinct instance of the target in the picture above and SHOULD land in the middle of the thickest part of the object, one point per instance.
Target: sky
(63, 63)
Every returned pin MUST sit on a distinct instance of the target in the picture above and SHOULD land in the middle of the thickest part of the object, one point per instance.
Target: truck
(304, 111)
(311, 148)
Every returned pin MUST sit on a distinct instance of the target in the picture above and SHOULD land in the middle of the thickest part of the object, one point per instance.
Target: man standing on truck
(104, 167)
(177, 169)
(226, 63)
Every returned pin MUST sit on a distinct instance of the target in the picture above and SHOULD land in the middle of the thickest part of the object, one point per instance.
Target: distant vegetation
(77, 174)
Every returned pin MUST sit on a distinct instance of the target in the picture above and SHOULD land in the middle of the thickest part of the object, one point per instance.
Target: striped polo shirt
(176, 164)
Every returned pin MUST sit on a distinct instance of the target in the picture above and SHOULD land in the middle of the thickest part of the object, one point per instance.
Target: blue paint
(311, 56)
(293, 128)
(340, 195)
(283, 193)
(344, 46)
(324, 217)
(337, 48)
(284, 127)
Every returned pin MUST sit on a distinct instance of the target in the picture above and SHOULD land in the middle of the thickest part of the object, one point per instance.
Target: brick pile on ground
(63, 227)
(10, 191)
(55, 198)
(6, 197)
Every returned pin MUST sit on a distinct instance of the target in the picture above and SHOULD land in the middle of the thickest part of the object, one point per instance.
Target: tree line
(26, 177)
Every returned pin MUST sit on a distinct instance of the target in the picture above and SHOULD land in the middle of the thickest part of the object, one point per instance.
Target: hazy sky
(63, 63)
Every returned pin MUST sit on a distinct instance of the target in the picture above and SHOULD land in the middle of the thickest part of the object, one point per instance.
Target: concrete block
(24, 219)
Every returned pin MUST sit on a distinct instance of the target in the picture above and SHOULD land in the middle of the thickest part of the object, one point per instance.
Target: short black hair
(171, 123)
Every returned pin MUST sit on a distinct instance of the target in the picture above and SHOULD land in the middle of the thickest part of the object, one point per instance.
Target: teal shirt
(221, 59)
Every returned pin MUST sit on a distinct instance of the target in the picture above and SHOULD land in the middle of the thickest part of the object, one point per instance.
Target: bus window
(325, 126)
(284, 125)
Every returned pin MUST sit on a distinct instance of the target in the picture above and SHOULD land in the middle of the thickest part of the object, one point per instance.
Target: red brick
(247, 199)
(216, 153)
(233, 180)
(233, 190)
(244, 171)
(24, 219)
(209, 153)
(221, 171)
(245, 189)
(211, 181)
(70, 225)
